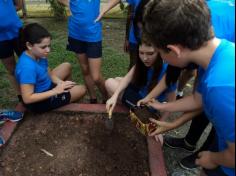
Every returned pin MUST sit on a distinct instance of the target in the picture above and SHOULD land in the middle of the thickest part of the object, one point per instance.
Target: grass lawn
(115, 61)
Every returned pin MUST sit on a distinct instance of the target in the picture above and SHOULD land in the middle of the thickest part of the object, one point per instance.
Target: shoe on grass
(13, 116)
(180, 143)
(188, 162)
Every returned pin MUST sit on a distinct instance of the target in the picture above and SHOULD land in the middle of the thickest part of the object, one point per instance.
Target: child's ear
(175, 48)
(28, 46)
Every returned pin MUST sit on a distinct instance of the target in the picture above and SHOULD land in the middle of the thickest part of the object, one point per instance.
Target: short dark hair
(184, 22)
(33, 33)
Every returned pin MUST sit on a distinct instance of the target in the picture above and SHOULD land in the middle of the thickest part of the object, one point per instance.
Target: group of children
(165, 37)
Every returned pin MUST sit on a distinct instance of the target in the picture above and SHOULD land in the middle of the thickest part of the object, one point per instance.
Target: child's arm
(28, 95)
(156, 91)
(64, 2)
(171, 96)
(123, 84)
(106, 8)
(189, 103)
(163, 127)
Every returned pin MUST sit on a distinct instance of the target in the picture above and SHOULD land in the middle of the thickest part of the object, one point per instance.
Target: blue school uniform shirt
(223, 18)
(30, 71)
(217, 87)
(134, 4)
(81, 22)
(9, 21)
(163, 96)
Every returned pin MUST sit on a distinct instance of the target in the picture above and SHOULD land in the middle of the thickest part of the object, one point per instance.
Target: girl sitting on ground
(140, 80)
(41, 89)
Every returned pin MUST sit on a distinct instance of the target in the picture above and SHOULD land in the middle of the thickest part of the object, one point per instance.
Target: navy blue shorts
(91, 49)
(8, 47)
(51, 103)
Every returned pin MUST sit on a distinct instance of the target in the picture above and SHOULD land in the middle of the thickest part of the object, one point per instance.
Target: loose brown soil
(80, 144)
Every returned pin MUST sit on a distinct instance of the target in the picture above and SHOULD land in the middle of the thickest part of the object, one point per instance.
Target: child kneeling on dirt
(41, 89)
(142, 77)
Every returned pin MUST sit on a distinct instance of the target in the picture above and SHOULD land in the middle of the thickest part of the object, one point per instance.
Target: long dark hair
(32, 33)
(141, 71)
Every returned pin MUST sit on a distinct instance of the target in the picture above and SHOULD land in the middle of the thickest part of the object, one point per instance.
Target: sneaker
(178, 143)
(188, 162)
(13, 116)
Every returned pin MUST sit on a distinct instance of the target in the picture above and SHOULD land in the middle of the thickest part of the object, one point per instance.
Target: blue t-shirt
(163, 96)
(223, 18)
(81, 22)
(134, 4)
(30, 71)
(217, 87)
(10, 22)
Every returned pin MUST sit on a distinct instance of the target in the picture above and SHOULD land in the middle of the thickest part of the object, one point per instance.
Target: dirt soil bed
(80, 145)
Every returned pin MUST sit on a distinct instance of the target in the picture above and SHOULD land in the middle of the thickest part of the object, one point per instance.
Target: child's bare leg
(95, 70)
(77, 92)
(63, 71)
(111, 85)
(10, 64)
(84, 65)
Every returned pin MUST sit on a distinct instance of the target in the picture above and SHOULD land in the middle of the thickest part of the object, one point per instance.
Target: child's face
(41, 50)
(148, 55)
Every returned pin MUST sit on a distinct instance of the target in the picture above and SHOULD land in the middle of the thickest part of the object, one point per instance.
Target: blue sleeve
(221, 106)
(26, 75)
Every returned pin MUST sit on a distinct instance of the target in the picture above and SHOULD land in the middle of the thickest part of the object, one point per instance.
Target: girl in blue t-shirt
(140, 80)
(85, 40)
(41, 89)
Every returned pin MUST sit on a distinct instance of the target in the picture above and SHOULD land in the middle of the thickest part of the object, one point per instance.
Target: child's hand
(204, 160)
(110, 105)
(144, 101)
(64, 86)
(161, 128)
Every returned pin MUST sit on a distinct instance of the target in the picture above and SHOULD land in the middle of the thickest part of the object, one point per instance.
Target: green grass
(115, 61)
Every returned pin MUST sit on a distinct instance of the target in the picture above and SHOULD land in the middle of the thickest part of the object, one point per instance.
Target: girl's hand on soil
(143, 101)
(155, 104)
(162, 127)
(204, 160)
(110, 104)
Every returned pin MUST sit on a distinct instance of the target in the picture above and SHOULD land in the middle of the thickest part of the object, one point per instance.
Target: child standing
(41, 89)
(85, 40)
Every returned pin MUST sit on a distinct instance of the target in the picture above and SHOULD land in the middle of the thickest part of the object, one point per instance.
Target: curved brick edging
(156, 158)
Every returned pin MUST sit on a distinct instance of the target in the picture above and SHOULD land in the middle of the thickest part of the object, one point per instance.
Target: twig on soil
(46, 152)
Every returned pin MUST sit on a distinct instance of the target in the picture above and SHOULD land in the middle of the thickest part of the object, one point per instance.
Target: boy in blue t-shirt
(181, 31)
(85, 40)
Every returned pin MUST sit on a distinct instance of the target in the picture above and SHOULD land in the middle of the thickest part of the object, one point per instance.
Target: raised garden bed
(78, 145)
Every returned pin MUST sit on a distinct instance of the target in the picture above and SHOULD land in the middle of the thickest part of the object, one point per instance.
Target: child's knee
(67, 66)
(108, 83)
